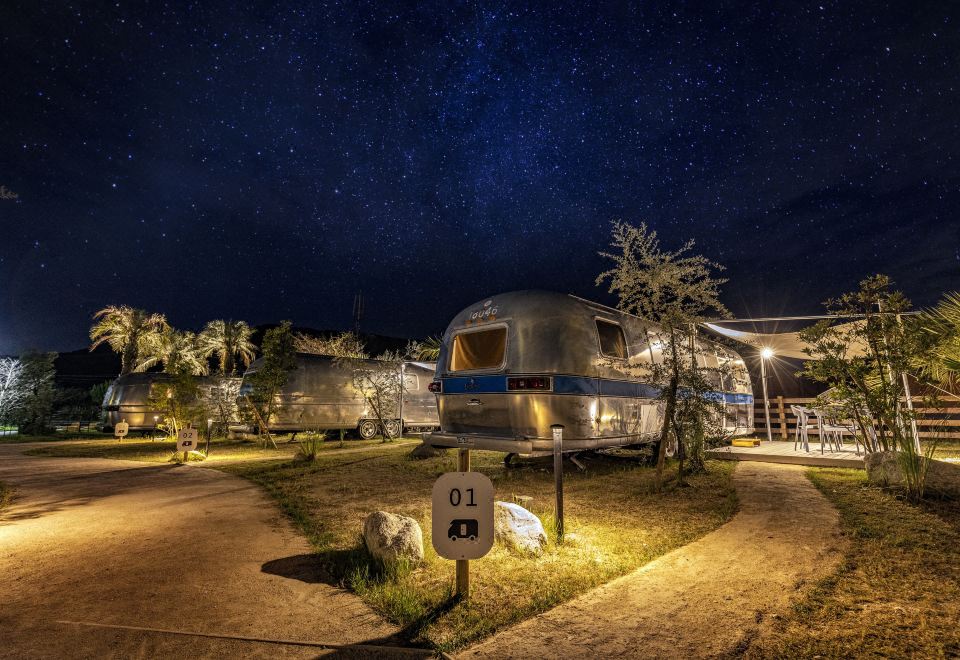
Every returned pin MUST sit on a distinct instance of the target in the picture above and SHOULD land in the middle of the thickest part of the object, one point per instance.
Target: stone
(423, 450)
(392, 538)
(883, 469)
(518, 529)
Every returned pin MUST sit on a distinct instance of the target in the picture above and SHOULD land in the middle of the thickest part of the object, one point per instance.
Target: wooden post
(783, 418)
(558, 476)
(463, 565)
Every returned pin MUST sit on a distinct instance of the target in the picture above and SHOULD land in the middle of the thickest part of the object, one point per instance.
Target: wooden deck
(780, 451)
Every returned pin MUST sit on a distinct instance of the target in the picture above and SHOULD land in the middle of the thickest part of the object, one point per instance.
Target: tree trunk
(665, 430)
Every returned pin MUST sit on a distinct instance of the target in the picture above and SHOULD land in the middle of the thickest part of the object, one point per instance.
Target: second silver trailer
(320, 394)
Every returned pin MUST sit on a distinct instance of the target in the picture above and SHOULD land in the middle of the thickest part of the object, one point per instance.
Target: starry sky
(269, 160)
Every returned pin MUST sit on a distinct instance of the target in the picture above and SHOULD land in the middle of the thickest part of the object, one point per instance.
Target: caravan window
(612, 342)
(483, 349)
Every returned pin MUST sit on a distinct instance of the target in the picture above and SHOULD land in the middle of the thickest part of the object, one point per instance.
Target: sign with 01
(462, 520)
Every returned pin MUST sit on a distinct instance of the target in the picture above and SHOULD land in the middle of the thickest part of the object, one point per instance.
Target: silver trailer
(513, 365)
(320, 395)
(128, 400)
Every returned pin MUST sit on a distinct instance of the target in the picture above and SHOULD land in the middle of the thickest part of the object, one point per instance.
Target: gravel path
(157, 546)
(706, 599)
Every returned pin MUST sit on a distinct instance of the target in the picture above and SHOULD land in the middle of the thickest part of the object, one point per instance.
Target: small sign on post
(121, 430)
(187, 441)
(462, 521)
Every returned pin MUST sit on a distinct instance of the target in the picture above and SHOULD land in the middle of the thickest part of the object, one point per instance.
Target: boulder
(883, 469)
(391, 538)
(423, 450)
(518, 529)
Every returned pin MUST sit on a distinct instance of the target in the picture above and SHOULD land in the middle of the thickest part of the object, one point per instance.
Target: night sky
(268, 161)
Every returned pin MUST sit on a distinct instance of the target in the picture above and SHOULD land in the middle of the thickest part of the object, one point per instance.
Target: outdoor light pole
(765, 355)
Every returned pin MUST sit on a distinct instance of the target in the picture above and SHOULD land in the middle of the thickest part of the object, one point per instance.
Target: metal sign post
(462, 522)
(121, 430)
(463, 565)
(558, 476)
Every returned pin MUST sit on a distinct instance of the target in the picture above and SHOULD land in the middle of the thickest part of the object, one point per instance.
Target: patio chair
(804, 423)
(830, 431)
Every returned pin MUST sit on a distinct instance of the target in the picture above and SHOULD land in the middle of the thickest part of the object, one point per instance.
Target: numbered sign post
(187, 441)
(121, 430)
(463, 519)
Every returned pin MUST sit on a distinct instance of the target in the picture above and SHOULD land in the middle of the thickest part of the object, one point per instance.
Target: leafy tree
(35, 407)
(229, 341)
(343, 345)
(128, 331)
(11, 386)
(866, 363)
(177, 350)
(276, 363)
(221, 400)
(179, 402)
(379, 382)
(674, 289)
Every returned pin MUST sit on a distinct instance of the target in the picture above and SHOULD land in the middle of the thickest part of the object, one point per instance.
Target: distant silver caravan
(512, 365)
(127, 399)
(320, 395)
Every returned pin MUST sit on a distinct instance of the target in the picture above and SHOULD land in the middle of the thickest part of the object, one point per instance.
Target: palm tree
(943, 322)
(228, 340)
(428, 349)
(127, 331)
(178, 351)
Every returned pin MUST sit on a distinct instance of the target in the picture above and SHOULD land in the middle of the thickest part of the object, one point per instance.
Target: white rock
(390, 537)
(518, 529)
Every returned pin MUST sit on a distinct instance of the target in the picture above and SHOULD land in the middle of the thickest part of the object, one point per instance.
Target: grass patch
(614, 521)
(16, 438)
(161, 451)
(897, 592)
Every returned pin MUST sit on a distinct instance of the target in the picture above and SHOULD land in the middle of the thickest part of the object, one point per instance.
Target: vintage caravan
(128, 400)
(513, 365)
(320, 395)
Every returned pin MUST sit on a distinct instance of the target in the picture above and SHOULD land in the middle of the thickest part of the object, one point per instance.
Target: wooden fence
(942, 421)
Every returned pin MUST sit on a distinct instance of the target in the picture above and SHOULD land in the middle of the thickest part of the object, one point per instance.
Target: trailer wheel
(367, 429)
(392, 428)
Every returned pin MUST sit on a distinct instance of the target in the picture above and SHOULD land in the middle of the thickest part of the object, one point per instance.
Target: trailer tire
(367, 429)
(392, 428)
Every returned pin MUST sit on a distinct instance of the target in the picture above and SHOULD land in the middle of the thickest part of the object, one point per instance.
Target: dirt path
(706, 599)
(170, 547)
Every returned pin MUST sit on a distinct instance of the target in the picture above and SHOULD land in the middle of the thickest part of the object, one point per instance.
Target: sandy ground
(707, 599)
(158, 546)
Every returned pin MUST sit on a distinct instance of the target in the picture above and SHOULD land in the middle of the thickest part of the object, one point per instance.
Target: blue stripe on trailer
(581, 385)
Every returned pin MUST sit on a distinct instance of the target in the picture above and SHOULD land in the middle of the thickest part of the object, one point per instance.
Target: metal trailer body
(127, 399)
(320, 395)
(513, 365)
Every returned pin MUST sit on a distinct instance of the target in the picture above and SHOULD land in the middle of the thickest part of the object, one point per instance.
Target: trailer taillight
(436, 386)
(528, 383)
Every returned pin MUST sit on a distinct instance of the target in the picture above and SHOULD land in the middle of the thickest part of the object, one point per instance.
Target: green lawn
(161, 451)
(53, 437)
(616, 523)
(897, 593)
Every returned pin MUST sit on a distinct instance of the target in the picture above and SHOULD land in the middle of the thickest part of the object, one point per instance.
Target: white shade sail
(786, 344)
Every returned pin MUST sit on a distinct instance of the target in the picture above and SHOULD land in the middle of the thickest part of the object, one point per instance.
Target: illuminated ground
(173, 547)
(707, 599)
